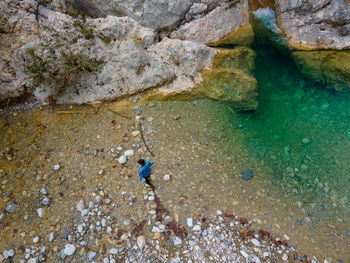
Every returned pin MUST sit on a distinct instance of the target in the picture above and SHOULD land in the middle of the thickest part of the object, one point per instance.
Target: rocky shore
(70, 191)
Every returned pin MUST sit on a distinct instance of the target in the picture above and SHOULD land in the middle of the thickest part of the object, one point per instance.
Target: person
(145, 170)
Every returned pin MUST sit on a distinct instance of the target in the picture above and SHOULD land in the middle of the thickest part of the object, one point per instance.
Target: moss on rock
(329, 67)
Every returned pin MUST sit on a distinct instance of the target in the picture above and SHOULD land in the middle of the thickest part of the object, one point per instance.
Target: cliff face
(75, 51)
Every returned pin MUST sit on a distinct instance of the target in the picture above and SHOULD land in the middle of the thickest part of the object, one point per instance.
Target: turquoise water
(302, 132)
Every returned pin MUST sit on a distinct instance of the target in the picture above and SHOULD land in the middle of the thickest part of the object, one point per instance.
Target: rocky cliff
(76, 51)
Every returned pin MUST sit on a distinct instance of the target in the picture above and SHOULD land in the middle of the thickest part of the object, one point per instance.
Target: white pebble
(122, 159)
(166, 177)
(56, 167)
(36, 239)
(190, 222)
(40, 212)
(69, 249)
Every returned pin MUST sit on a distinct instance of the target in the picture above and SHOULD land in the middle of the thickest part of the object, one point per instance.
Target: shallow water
(314, 173)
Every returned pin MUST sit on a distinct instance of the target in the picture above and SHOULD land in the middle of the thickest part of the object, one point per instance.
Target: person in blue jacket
(145, 170)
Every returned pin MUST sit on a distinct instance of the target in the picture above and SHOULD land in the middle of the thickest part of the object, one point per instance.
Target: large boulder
(228, 80)
(130, 61)
(231, 81)
(315, 24)
(227, 24)
(332, 68)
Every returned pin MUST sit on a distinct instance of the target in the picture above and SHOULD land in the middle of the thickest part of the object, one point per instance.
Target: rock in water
(141, 242)
(69, 249)
(248, 174)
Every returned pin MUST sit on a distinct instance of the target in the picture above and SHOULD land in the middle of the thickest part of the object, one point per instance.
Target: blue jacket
(145, 170)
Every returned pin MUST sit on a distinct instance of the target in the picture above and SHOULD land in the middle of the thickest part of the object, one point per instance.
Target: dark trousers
(147, 180)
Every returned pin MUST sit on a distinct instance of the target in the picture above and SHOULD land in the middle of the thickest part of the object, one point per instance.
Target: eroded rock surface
(130, 60)
(226, 24)
(322, 24)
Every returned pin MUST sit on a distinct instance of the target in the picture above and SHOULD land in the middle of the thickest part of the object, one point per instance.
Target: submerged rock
(248, 174)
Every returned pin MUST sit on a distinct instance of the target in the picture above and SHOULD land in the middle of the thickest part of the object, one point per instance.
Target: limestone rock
(154, 14)
(321, 24)
(332, 68)
(226, 24)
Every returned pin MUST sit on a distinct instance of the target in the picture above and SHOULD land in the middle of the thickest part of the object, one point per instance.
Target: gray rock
(177, 241)
(137, 110)
(122, 159)
(248, 174)
(10, 208)
(44, 191)
(85, 212)
(80, 205)
(91, 255)
(52, 237)
(113, 251)
(46, 201)
(221, 22)
(40, 212)
(69, 249)
(307, 23)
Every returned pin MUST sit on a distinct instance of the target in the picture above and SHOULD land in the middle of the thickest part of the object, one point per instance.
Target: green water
(292, 108)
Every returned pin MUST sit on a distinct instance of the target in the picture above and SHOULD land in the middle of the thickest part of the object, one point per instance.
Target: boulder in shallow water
(248, 174)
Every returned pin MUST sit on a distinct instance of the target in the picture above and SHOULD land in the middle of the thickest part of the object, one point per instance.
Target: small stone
(120, 149)
(135, 133)
(36, 239)
(56, 167)
(166, 177)
(85, 212)
(284, 257)
(122, 159)
(305, 141)
(197, 228)
(52, 236)
(80, 205)
(189, 222)
(177, 241)
(44, 191)
(286, 237)
(299, 222)
(156, 235)
(11, 208)
(129, 153)
(91, 255)
(69, 249)
(113, 251)
(40, 212)
(256, 242)
(248, 174)
(10, 253)
(138, 110)
(141, 242)
(244, 254)
(151, 198)
(177, 117)
(46, 201)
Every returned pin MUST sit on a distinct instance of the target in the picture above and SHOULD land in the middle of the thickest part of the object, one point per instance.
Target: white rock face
(220, 22)
(131, 62)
